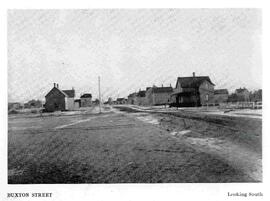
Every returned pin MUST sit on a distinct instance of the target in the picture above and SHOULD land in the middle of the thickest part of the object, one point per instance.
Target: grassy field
(107, 148)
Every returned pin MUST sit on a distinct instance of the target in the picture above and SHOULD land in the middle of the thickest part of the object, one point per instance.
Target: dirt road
(127, 147)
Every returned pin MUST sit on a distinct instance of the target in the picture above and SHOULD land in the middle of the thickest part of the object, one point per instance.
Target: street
(126, 146)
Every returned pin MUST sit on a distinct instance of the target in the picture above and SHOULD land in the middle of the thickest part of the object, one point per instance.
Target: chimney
(54, 84)
(162, 85)
(170, 85)
(193, 74)
(57, 86)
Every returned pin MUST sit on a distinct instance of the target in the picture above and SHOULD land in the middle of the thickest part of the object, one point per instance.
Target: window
(206, 97)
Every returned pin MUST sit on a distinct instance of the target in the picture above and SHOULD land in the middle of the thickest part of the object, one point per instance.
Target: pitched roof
(141, 93)
(69, 93)
(132, 95)
(120, 99)
(162, 89)
(193, 82)
(221, 91)
(86, 96)
(240, 90)
(55, 88)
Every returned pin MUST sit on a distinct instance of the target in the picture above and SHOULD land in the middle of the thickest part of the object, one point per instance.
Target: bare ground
(122, 147)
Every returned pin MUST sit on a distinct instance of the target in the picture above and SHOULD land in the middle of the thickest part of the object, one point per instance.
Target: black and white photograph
(134, 101)
(134, 96)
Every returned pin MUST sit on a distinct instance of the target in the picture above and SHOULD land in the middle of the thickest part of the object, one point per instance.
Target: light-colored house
(221, 96)
(77, 104)
(193, 91)
(59, 100)
(158, 95)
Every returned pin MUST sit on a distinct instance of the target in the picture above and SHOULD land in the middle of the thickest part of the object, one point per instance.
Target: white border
(134, 192)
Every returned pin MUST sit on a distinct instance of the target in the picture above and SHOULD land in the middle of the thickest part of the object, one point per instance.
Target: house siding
(55, 100)
(221, 98)
(69, 103)
(86, 102)
(206, 91)
(161, 98)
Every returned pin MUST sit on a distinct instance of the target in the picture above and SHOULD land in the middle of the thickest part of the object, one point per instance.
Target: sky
(130, 49)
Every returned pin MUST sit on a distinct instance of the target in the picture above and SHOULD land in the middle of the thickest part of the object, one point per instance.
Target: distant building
(221, 96)
(132, 98)
(242, 94)
(59, 100)
(256, 95)
(15, 106)
(193, 91)
(121, 101)
(141, 98)
(86, 100)
(77, 104)
(33, 104)
(158, 95)
(109, 101)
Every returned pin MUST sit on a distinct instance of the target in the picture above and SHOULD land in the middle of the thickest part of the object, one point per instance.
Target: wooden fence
(237, 105)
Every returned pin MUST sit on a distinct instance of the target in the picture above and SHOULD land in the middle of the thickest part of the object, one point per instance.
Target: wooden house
(86, 100)
(59, 100)
(158, 95)
(132, 98)
(221, 96)
(193, 91)
(141, 98)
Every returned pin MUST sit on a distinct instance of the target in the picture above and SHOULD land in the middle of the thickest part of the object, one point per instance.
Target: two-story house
(193, 91)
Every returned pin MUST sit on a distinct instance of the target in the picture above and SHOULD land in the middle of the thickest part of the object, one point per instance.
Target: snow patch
(181, 133)
(148, 119)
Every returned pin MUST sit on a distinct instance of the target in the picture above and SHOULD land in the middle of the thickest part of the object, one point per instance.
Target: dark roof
(132, 95)
(187, 93)
(86, 96)
(141, 93)
(221, 91)
(162, 89)
(240, 90)
(77, 100)
(120, 99)
(192, 82)
(69, 93)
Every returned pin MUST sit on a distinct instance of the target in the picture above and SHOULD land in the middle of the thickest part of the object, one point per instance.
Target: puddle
(180, 133)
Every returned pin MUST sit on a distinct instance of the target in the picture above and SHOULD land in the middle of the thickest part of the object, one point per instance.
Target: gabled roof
(240, 90)
(162, 89)
(141, 93)
(221, 91)
(70, 93)
(193, 82)
(132, 95)
(66, 93)
(86, 96)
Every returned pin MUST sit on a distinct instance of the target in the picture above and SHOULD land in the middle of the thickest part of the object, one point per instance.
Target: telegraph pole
(99, 94)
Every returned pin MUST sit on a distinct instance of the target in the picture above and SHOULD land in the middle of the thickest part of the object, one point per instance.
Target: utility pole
(99, 94)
